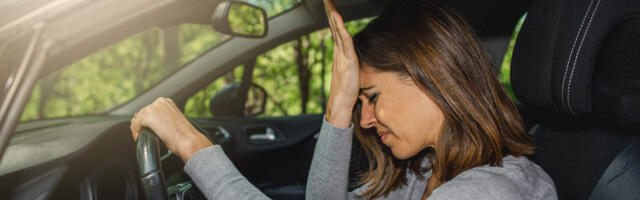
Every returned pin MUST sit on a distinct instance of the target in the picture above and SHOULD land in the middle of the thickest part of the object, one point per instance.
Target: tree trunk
(67, 95)
(150, 44)
(230, 77)
(303, 72)
(172, 53)
(46, 91)
(323, 96)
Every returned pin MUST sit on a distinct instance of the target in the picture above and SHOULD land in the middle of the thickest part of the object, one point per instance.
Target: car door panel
(284, 161)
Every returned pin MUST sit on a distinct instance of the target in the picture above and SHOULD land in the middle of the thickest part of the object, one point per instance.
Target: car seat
(576, 72)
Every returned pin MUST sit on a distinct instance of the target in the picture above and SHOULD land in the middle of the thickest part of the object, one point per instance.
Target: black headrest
(578, 61)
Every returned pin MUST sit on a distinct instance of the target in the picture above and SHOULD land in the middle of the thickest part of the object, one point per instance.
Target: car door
(272, 146)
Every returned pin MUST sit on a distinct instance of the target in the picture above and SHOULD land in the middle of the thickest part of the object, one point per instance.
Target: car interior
(574, 72)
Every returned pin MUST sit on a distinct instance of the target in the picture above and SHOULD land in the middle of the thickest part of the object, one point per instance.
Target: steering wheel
(151, 175)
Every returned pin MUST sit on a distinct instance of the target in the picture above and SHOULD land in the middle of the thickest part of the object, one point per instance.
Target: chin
(402, 155)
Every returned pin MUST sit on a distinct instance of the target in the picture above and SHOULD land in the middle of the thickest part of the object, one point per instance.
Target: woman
(432, 116)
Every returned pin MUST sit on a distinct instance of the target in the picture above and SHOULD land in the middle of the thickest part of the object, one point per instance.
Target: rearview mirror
(240, 19)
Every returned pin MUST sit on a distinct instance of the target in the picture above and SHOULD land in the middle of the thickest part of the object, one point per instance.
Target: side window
(295, 75)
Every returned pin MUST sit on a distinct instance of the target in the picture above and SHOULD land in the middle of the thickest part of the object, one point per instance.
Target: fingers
(346, 41)
(335, 30)
(138, 120)
(135, 127)
(340, 35)
(331, 13)
(329, 7)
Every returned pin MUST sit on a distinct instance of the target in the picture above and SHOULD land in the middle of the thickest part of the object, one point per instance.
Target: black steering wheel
(151, 175)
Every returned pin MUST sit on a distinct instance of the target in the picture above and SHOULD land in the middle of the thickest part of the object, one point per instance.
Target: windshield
(122, 71)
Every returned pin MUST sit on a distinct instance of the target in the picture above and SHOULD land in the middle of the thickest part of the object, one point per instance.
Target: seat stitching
(566, 69)
(575, 61)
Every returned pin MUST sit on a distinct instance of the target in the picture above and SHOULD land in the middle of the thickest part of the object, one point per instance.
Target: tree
(304, 74)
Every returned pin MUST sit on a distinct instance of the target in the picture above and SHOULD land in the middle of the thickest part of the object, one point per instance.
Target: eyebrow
(364, 89)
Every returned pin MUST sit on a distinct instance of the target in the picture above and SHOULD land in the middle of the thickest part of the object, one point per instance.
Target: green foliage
(118, 73)
(505, 69)
(278, 72)
(122, 71)
(246, 20)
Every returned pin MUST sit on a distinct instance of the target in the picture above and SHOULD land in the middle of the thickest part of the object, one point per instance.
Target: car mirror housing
(240, 19)
(234, 101)
(256, 100)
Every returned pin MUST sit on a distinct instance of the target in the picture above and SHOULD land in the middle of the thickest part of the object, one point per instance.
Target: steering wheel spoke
(151, 175)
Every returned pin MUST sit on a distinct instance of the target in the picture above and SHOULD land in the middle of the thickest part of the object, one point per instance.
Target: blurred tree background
(118, 73)
(296, 75)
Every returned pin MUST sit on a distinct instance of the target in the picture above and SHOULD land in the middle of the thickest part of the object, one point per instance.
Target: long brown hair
(437, 49)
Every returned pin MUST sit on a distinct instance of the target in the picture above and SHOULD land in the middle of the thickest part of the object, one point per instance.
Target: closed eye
(373, 97)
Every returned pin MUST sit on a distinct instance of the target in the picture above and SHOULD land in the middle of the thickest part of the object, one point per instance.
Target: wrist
(191, 143)
(339, 113)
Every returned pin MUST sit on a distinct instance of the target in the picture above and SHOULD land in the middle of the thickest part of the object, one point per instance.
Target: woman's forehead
(370, 78)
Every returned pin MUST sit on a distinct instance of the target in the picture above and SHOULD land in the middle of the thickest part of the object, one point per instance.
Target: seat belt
(621, 180)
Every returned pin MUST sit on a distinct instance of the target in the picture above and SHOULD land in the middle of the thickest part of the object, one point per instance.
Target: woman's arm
(345, 69)
(329, 174)
(207, 165)
(215, 175)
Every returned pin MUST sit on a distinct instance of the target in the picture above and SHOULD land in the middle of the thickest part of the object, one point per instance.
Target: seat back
(576, 71)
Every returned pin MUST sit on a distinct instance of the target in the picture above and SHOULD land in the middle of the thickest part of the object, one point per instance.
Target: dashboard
(88, 158)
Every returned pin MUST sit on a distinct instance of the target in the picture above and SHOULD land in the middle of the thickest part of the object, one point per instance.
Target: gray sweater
(518, 178)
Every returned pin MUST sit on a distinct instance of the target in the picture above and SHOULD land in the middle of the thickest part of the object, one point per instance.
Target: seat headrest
(578, 61)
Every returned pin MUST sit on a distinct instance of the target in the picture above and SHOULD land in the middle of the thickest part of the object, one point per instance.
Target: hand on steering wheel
(165, 119)
(162, 120)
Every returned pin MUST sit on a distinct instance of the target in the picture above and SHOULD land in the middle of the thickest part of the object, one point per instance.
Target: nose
(367, 116)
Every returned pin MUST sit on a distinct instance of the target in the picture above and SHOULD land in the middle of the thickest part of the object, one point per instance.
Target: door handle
(268, 135)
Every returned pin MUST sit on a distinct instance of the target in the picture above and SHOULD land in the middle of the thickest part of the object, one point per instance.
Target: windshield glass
(118, 73)
(122, 71)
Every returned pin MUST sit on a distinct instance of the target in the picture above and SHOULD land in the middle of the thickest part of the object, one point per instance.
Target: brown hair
(436, 48)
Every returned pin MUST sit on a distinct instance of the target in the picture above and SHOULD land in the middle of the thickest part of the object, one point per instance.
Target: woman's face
(405, 117)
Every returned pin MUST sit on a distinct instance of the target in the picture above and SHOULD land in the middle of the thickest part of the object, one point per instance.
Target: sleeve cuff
(208, 166)
(327, 124)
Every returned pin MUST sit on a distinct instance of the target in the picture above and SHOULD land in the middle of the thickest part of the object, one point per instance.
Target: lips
(383, 135)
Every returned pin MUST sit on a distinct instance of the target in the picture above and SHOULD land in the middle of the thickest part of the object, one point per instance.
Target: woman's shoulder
(518, 178)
